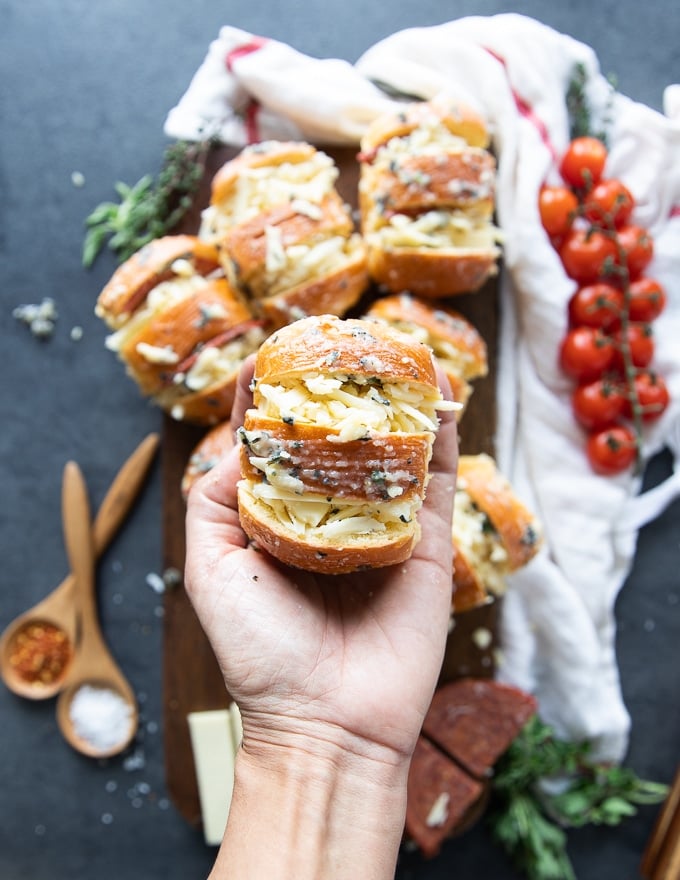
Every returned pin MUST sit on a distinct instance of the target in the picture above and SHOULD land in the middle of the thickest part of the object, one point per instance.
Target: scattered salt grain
(107, 818)
(156, 582)
(111, 786)
(76, 333)
(649, 625)
(100, 716)
(78, 178)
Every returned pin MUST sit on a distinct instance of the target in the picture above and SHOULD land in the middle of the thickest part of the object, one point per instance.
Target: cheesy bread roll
(160, 260)
(184, 340)
(426, 198)
(285, 237)
(493, 532)
(455, 342)
(335, 453)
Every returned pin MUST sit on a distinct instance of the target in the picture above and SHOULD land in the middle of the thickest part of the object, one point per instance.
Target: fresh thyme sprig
(530, 823)
(149, 209)
(578, 109)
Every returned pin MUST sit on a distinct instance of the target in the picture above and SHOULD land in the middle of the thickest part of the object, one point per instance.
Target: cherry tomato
(585, 353)
(640, 341)
(587, 255)
(611, 450)
(647, 299)
(557, 206)
(598, 404)
(596, 305)
(638, 247)
(583, 162)
(651, 393)
(609, 203)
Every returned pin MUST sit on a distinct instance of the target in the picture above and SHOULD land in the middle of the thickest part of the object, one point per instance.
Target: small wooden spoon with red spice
(25, 651)
(110, 720)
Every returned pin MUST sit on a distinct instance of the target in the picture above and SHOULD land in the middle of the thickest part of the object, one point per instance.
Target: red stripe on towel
(245, 49)
(526, 110)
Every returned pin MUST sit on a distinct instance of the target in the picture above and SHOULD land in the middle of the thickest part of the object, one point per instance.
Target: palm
(358, 653)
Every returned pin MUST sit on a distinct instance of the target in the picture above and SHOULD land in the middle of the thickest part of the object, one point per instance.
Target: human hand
(346, 660)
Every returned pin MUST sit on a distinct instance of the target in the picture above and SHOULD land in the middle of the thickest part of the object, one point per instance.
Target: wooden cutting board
(191, 679)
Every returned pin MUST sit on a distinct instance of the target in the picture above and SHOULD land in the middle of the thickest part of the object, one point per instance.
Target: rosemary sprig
(530, 823)
(150, 208)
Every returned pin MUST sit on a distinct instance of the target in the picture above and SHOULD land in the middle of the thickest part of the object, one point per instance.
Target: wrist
(313, 808)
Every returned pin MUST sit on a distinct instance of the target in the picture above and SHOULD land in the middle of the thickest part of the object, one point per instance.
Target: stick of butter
(215, 738)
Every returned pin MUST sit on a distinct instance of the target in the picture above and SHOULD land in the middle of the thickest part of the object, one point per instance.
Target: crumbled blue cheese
(39, 317)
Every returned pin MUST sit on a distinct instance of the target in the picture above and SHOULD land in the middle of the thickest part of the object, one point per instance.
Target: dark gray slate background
(86, 87)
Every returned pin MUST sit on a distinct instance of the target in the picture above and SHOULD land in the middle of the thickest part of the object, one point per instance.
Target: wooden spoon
(93, 666)
(58, 608)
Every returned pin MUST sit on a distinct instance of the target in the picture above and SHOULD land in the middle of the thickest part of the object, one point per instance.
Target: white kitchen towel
(558, 625)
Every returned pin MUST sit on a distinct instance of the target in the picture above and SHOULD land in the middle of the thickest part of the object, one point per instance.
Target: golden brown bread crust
(460, 119)
(205, 455)
(208, 316)
(331, 294)
(427, 182)
(375, 469)
(426, 200)
(492, 493)
(255, 228)
(246, 245)
(352, 346)
(136, 277)
(315, 497)
(431, 273)
(361, 552)
(256, 156)
(445, 328)
(442, 323)
(468, 587)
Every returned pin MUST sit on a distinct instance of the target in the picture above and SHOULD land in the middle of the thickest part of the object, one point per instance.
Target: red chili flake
(40, 652)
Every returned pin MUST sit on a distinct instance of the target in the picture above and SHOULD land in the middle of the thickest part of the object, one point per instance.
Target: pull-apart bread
(494, 533)
(455, 342)
(285, 237)
(426, 198)
(180, 327)
(335, 452)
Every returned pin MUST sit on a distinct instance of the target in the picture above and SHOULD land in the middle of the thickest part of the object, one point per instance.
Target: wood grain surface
(191, 679)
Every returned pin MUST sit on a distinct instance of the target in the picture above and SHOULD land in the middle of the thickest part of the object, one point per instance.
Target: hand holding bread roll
(335, 452)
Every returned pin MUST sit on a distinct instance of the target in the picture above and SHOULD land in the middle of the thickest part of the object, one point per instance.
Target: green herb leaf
(149, 209)
(531, 824)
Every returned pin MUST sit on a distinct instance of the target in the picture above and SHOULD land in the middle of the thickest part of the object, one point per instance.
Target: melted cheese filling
(480, 543)
(429, 138)
(303, 184)
(214, 362)
(287, 267)
(354, 406)
(164, 296)
(321, 517)
(453, 359)
(437, 230)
